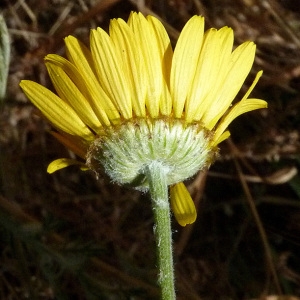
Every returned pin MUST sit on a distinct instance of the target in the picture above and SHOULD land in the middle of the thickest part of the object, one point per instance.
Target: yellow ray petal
(61, 163)
(182, 204)
(224, 136)
(166, 55)
(241, 62)
(186, 55)
(101, 103)
(219, 135)
(59, 113)
(212, 67)
(69, 92)
(109, 68)
(240, 108)
(123, 39)
(148, 46)
(94, 100)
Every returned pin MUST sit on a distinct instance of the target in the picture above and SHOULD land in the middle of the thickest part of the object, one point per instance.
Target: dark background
(70, 236)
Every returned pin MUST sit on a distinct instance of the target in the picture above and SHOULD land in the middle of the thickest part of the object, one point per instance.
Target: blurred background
(71, 236)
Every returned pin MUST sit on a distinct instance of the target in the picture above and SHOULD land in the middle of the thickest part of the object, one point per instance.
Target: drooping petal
(185, 59)
(182, 204)
(61, 163)
(57, 111)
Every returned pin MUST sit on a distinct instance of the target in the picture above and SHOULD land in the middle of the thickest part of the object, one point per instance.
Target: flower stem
(157, 178)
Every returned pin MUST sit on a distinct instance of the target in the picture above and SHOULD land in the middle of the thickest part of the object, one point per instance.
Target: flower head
(130, 100)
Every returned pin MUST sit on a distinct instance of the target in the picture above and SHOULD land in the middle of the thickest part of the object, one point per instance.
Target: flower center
(124, 151)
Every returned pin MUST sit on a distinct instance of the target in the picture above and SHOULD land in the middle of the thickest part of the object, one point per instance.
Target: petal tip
(182, 205)
(61, 163)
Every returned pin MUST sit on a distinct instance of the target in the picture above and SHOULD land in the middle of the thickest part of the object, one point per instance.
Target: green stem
(157, 178)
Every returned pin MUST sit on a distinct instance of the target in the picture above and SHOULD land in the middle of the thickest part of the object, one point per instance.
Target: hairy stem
(156, 175)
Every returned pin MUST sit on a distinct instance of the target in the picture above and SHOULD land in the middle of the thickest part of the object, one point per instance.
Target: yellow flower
(130, 99)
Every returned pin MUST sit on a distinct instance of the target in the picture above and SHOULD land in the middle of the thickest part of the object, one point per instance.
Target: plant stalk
(157, 178)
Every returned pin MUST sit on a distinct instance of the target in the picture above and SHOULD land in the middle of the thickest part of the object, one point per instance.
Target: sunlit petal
(166, 55)
(61, 115)
(148, 46)
(184, 64)
(134, 69)
(68, 91)
(109, 68)
(80, 56)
